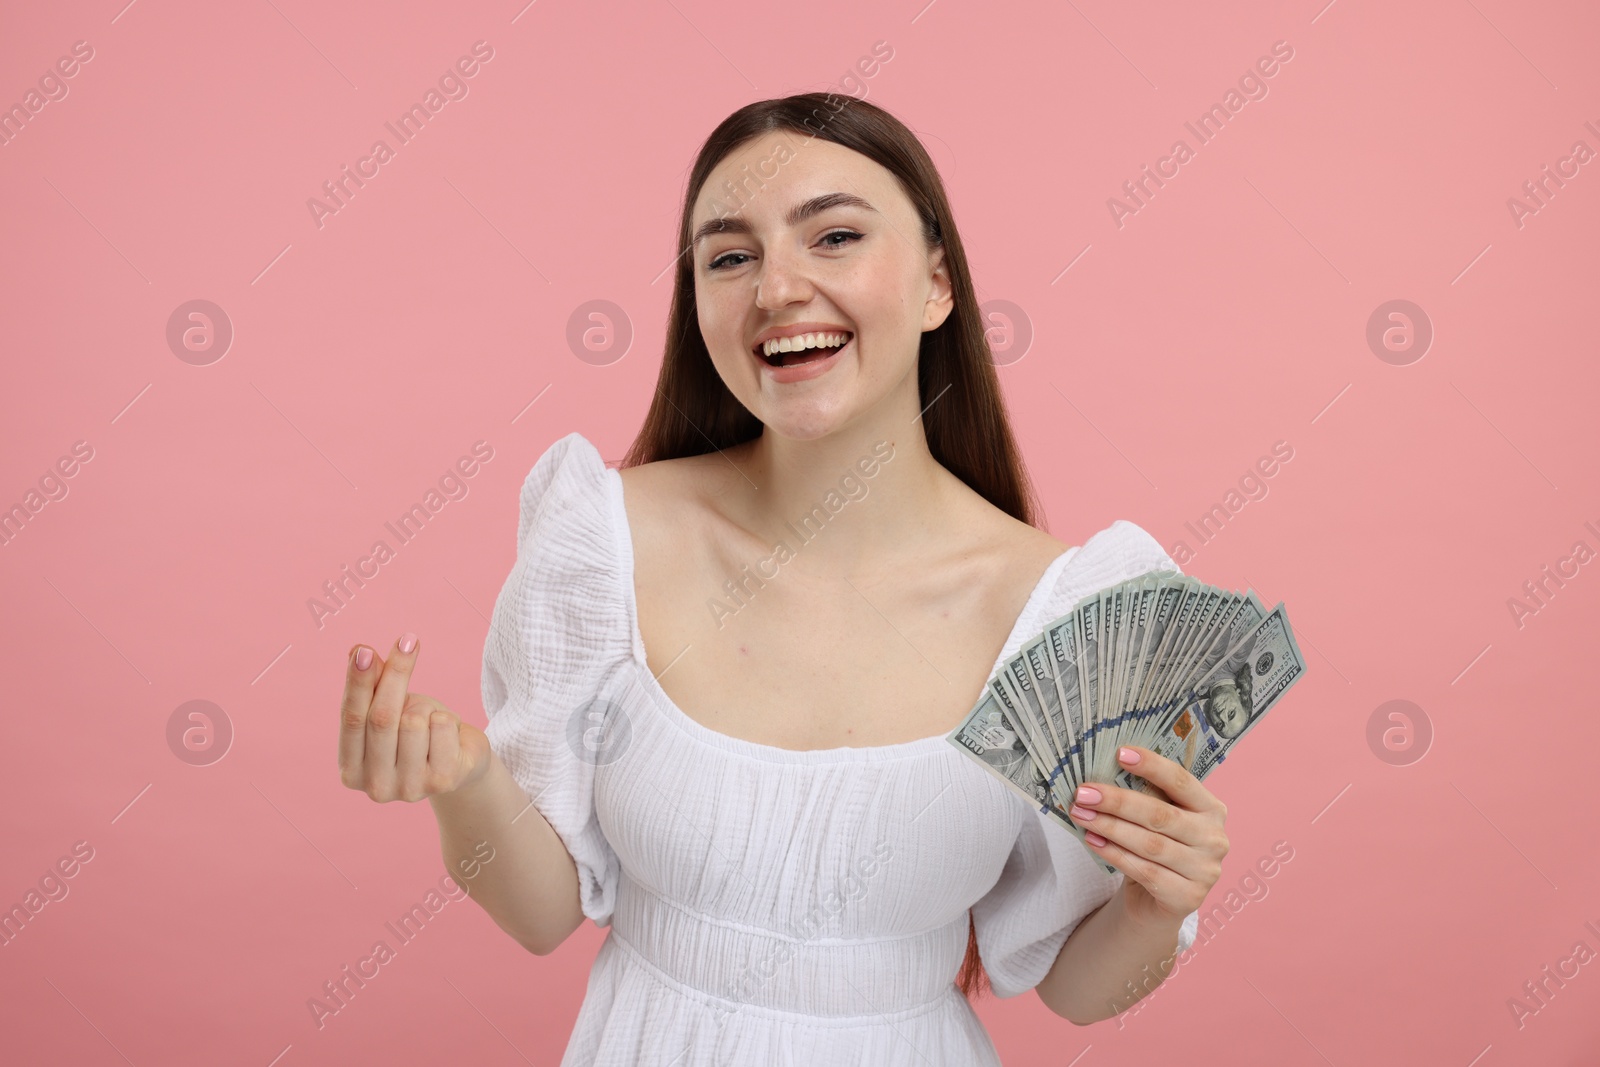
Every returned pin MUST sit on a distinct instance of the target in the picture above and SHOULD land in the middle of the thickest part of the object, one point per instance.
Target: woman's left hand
(1170, 850)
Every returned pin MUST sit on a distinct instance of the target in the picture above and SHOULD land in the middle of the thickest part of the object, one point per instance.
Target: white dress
(766, 905)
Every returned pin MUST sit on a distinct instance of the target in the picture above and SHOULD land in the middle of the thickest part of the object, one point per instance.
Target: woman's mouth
(798, 358)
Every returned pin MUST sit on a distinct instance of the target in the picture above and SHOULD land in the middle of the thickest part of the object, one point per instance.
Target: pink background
(369, 354)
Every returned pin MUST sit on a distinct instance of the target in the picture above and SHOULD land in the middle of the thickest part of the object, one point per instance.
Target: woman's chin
(804, 416)
(824, 406)
(803, 426)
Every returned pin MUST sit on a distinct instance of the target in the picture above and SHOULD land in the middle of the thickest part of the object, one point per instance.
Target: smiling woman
(726, 793)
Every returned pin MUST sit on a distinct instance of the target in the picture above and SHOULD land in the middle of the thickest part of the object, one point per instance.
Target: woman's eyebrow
(797, 214)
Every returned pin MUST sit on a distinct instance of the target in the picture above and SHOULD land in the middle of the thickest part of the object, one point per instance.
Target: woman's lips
(799, 372)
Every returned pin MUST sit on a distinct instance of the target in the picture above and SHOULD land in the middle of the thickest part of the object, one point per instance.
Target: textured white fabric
(766, 906)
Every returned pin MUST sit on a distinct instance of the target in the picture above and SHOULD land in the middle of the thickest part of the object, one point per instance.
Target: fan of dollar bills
(1162, 661)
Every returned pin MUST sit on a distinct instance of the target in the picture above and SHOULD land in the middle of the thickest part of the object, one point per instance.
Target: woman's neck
(856, 498)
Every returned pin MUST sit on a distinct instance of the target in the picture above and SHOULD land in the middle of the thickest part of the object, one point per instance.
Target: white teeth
(806, 340)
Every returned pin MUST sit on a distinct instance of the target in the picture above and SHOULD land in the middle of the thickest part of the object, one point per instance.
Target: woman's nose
(780, 282)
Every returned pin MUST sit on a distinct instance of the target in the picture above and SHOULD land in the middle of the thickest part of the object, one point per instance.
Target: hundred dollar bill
(1144, 603)
(1047, 659)
(1087, 619)
(1206, 604)
(1109, 729)
(1022, 686)
(1232, 619)
(1171, 624)
(1017, 714)
(1031, 679)
(1231, 626)
(1230, 699)
(1122, 597)
(989, 736)
(1165, 620)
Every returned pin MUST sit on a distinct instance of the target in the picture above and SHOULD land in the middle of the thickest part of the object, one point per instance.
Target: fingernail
(363, 658)
(408, 642)
(1093, 838)
(1081, 814)
(1128, 755)
(1088, 794)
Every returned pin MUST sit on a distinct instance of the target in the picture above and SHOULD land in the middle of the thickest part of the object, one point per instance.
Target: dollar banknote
(989, 735)
(1162, 661)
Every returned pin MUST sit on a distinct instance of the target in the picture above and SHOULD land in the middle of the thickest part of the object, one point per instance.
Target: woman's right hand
(398, 745)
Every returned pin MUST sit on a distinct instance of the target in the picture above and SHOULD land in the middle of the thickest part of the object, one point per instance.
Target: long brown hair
(964, 420)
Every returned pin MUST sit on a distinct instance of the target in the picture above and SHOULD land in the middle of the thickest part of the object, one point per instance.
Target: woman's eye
(725, 261)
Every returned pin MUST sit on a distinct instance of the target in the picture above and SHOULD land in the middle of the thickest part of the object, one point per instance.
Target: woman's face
(859, 265)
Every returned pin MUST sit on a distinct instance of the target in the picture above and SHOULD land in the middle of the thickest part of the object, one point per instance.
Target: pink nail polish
(1081, 814)
(1093, 838)
(1128, 755)
(1088, 794)
(363, 658)
(408, 642)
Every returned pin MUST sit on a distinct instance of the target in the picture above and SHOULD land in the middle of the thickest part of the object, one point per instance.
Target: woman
(719, 689)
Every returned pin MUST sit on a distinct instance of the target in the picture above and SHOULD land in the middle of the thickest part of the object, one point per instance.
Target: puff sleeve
(1050, 882)
(558, 633)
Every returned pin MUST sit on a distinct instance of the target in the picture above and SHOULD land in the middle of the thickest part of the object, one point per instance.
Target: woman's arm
(530, 887)
(1110, 962)
(398, 745)
(1170, 852)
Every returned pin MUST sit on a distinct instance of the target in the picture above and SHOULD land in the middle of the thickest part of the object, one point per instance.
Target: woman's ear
(941, 295)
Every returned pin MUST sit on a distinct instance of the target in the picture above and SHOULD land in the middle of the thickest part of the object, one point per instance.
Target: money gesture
(398, 745)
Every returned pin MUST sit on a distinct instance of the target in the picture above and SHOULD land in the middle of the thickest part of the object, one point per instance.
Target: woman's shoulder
(571, 467)
(1037, 549)
(1008, 534)
(663, 482)
(1002, 534)
(685, 475)
(1107, 555)
(678, 494)
(987, 547)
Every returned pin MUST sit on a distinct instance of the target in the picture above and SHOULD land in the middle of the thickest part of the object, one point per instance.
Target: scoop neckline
(775, 753)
